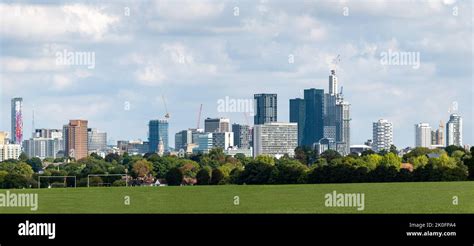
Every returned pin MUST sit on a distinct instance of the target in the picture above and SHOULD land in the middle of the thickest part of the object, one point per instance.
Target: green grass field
(428, 197)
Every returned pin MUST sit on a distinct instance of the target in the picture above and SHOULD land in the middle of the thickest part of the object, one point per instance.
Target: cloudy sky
(196, 52)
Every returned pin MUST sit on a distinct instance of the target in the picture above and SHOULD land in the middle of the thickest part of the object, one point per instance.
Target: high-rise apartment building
(17, 120)
(454, 130)
(75, 139)
(382, 135)
(275, 139)
(437, 136)
(9, 151)
(423, 135)
(265, 108)
(242, 136)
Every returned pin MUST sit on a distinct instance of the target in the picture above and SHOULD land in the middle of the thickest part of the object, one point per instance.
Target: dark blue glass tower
(314, 121)
(297, 115)
(158, 129)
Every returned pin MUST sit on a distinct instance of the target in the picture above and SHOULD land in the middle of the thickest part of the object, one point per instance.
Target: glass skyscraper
(265, 108)
(158, 129)
(314, 120)
(297, 115)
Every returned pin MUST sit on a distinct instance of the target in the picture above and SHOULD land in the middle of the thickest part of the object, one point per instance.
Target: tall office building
(437, 137)
(185, 138)
(223, 140)
(322, 116)
(48, 133)
(204, 143)
(314, 117)
(75, 139)
(17, 120)
(158, 129)
(216, 125)
(97, 140)
(265, 108)
(275, 139)
(382, 135)
(454, 130)
(297, 115)
(333, 83)
(423, 135)
(242, 136)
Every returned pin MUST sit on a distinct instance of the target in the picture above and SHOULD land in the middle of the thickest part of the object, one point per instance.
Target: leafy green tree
(23, 157)
(443, 161)
(330, 155)
(164, 164)
(96, 156)
(258, 171)
(119, 182)
(265, 159)
(367, 152)
(113, 157)
(391, 160)
(2, 177)
(418, 161)
(203, 177)
(458, 154)
(13, 180)
(288, 171)
(451, 148)
(393, 149)
(217, 154)
(217, 176)
(189, 168)
(174, 176)
(35, 164)
(372, 160)
(142, 168)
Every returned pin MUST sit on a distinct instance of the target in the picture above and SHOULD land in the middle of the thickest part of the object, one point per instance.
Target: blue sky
(197, 52)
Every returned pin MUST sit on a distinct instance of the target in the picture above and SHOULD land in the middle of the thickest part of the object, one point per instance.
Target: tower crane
(167, 115)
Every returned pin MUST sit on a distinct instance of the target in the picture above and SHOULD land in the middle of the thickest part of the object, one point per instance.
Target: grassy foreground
(422, 197)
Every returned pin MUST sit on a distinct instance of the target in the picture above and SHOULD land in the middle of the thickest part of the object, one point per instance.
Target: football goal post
(64, 180)
(107, 175)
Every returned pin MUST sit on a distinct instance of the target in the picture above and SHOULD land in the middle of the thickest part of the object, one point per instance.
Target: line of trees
(215, 168)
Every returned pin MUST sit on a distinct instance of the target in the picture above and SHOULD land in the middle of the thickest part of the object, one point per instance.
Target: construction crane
(199, 117)
(336, 61)
(167, 115)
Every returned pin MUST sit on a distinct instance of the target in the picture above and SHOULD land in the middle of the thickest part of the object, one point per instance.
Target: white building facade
(275, 139)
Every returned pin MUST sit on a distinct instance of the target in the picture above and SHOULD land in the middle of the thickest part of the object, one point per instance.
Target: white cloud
(46, 22)
(188, 10)
(150, 75)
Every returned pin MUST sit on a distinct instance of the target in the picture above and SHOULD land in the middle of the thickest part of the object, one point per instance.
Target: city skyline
(271, 47)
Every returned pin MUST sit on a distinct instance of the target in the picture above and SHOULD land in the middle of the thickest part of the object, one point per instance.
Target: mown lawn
(420, 197)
